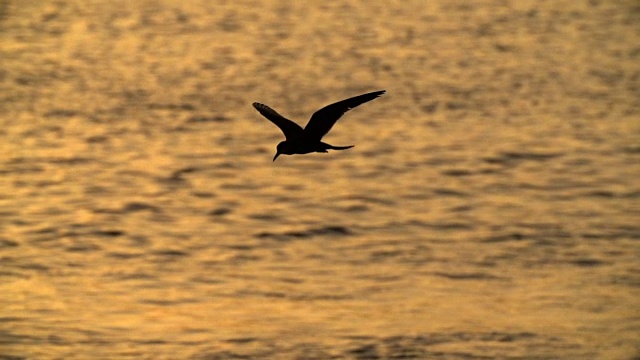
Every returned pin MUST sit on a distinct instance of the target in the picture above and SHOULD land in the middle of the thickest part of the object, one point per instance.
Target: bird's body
(308, 140)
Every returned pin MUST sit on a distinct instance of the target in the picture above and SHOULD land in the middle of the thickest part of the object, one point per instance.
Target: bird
(308, 140)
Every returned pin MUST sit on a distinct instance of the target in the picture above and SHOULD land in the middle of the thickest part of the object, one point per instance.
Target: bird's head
(284, 147)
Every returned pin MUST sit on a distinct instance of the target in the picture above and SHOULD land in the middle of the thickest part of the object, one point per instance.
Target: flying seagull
(307, 140)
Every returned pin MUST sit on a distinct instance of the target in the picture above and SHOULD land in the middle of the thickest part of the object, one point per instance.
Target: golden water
(488, 210)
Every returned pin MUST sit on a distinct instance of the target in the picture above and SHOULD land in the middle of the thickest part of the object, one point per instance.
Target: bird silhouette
(307, 140)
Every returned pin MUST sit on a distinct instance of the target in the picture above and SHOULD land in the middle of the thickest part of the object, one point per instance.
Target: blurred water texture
(489, 209)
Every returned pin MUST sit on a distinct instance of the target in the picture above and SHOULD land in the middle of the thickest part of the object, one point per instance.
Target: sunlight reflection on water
(486, 211)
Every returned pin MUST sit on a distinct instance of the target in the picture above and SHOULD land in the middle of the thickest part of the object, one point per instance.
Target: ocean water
(489, 208)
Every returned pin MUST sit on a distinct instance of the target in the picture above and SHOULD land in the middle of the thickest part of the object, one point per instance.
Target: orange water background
(488, 210)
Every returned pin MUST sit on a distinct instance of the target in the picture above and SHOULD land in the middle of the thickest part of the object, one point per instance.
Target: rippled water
(489, 209)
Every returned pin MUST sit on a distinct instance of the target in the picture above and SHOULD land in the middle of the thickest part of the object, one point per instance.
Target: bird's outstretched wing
(288, 127)
(322, 120)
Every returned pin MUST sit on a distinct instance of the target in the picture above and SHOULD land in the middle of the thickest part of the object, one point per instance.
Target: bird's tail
(339, 147)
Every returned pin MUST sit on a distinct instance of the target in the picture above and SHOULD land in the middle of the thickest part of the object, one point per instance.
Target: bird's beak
(275, 157)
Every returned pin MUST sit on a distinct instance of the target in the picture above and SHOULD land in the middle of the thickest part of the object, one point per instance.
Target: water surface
(488, 210)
